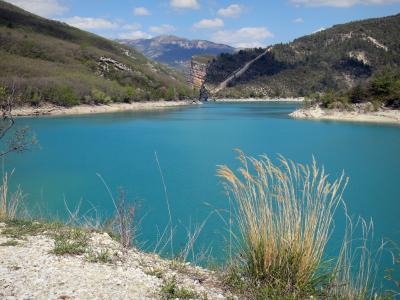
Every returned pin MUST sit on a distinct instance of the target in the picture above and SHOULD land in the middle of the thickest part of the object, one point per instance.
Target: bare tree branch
(20, 140)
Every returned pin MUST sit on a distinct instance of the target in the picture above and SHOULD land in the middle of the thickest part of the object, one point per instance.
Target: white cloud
(44, 8)
(298, 20)
(134, 35)
(141, 11)
(209, 24)
(343, 3)
(232, 11)
(246, 37)
(90, 23)
(184, 4)
(162, 29)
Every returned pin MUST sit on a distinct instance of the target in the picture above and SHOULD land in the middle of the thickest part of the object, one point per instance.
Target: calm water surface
(190, 142)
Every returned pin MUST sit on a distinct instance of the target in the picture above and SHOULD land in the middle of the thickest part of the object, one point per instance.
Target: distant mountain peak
(176, 51)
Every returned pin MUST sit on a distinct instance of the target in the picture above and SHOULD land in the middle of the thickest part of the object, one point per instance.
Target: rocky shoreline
(54, 110)
(388, 116)
(48, 109)
(259, 100)
(29, 269)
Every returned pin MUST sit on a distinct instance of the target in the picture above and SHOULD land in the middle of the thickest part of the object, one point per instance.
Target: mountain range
(48, 60)
(175, 51)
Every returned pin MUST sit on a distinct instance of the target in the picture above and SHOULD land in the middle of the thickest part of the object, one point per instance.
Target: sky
(239, 23)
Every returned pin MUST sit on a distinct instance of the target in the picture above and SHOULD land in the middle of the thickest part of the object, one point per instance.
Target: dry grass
(170, 224)
(9, 202)
(124, 221)
(357, 264)
(285, 214)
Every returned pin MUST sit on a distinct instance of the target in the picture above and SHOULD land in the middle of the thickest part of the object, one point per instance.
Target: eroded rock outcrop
(105, 64)
(198, 73)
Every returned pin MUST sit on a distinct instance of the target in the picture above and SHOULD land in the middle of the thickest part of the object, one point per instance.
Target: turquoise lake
(190, 142)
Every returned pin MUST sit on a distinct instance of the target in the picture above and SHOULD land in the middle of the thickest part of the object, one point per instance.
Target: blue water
(190, 142)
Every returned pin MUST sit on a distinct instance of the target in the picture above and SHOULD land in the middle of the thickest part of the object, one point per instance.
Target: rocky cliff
(198, 71)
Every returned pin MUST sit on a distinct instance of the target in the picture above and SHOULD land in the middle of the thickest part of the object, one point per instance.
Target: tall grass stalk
(91, 219)
(170, 225)
(125, 216)
(392, 274)
(192, 236)
(357, 264)
(9, 202)
(285, 218)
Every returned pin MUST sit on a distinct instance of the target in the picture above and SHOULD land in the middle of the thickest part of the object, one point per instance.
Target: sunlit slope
(48, 60)
(335, 58)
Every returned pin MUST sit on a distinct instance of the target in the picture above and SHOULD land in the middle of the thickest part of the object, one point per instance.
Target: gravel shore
(29, 270)
(51, 109)
(258, 100)
(381, 116)
(54, 110)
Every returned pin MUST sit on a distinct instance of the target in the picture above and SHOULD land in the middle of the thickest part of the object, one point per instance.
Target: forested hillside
(45, 60)
(336, 58)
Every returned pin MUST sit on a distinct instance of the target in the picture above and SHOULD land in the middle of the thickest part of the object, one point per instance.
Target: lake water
(190, 142)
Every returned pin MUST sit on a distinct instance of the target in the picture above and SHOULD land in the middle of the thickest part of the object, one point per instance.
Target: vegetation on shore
(381, 91)
(48, 61)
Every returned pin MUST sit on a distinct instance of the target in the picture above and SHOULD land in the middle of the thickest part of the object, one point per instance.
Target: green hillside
(337, 58)
(48, 60)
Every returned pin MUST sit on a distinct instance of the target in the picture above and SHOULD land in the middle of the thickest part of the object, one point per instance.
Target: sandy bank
(317, 113)
(51, 109)
(257, 100)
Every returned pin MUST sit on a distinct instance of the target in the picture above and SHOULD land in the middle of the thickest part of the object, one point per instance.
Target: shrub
(102, 256)
(129, 94)
(98, 96)
(284, 215)
(170, 290)
(71, 242)
(64, 95)
(170, 93)
(358, 94)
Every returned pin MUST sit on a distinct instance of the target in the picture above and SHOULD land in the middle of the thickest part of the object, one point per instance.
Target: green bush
(64, 95)
(129, 94)
(170, 93)
(382, 90)
(99, 96)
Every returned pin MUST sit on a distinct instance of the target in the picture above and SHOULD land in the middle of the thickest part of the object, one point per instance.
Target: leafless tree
(18, 140)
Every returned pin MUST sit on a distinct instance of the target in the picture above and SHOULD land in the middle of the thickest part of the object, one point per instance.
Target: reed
(124, 220)
(9, 202)
(358, 262)
(285, 217)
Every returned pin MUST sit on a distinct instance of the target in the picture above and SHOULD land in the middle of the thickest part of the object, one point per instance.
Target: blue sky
(240, 23)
